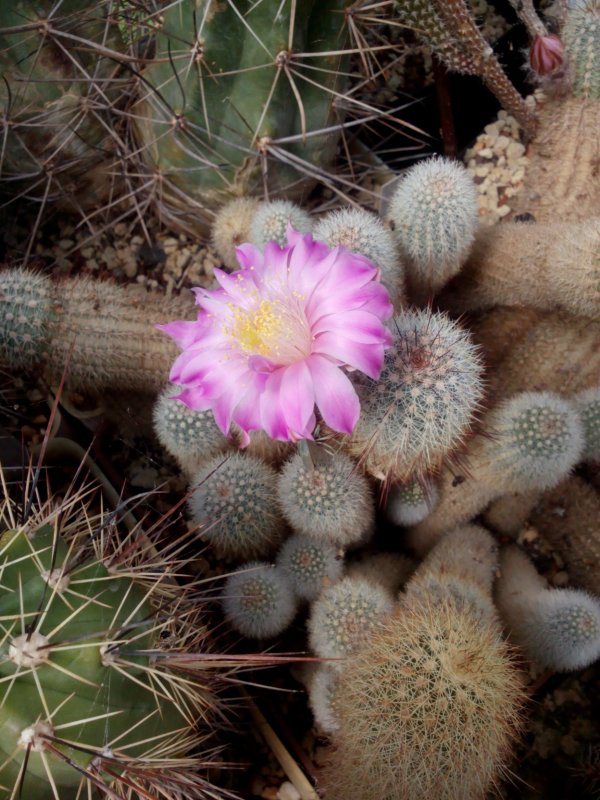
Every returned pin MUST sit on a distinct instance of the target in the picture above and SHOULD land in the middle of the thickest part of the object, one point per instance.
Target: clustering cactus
(581, 34)
(94, 694)
(557, 628)
(271, 221)
(97, 333)
(231, 228)
(344, 616)
(321, 697)
(434, 215)
(362, 232)
(588, 405)
(429, 707)
(390, 570)
(529, 442)
(189, 436)
(258, 600)
(423, 405)
(233, 504)
(409, 503)
(329, 501)
(309, 565)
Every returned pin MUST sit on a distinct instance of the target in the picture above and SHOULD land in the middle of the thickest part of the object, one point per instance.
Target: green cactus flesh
(69, 706)
(227, 84)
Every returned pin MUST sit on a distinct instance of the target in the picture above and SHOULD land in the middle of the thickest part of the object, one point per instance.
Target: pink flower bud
(546, 54)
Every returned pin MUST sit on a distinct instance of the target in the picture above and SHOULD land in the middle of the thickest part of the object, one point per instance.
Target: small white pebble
(287, 791)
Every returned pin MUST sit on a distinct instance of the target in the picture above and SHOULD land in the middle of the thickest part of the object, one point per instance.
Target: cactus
(581, 35)
(390, 570)
(561, 262)
(558, 629)
(310, 566)
(189, 436)
(529, 442)
(344, 616)
(233, 503)
(100, 334)
(94, 693)
(362, 232)
(61, 80)
(423, 404)
(242, 99)
(450, 30)
(271, 220)
(434, 215)
(410, 502)
(329, 501)
(567, 518)
(588, 405)
(231, 228)
(258, 600)
(429, 707)
(321, 697)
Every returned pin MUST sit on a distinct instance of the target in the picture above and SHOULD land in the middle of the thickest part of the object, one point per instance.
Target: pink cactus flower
(546, 54)
(275, 339)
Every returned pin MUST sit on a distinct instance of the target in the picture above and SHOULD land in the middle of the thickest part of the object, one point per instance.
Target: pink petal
(249, 256)
(358, 325)
(335, 396)
(373, 297)
(184, 333)
(240, 286)
(368, 358)
(297, 396)
(271, 412)
(193, 398)
(247, 412)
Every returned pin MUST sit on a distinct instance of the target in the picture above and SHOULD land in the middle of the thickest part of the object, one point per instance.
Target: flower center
(276, 329)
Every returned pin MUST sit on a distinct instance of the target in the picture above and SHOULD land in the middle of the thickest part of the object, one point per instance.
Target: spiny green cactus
(241, 97)
(362, 232)
(424, 402)
(92, 702)
(60, 83)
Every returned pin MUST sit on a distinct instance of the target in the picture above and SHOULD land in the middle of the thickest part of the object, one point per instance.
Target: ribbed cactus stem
(588, 405)
(555, 266)
(531, 441)
(101, 334)
(557, 628)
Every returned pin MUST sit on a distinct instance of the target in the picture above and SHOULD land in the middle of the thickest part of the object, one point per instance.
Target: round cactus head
(410, 502)
(272, 219)
(343, 617)
(422, 406)
(330, 501)
(258, 600)
(434, 214)
(191, 437)
(309, 565)
(233, 500)
(427, 708)
(231, 228)
(538, 438)
(362, 232)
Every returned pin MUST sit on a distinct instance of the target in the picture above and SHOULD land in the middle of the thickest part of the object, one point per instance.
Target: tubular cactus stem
(561, 181)
(101, 334)
(544, 266)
